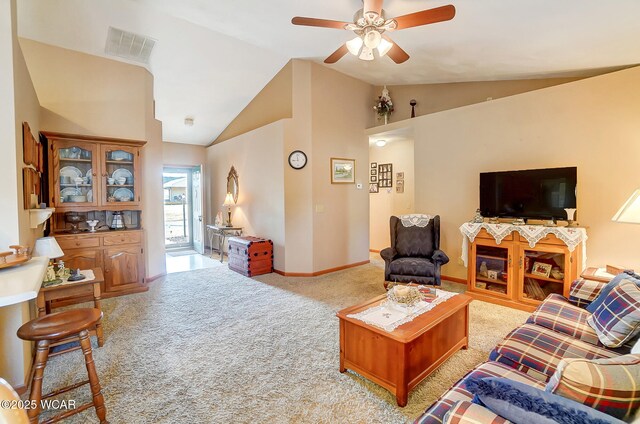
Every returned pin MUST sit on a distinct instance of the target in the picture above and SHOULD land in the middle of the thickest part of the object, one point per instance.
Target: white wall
(258, 158)
(388, 202)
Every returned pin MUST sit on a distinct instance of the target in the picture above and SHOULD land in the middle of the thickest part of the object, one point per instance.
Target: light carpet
(212, 346)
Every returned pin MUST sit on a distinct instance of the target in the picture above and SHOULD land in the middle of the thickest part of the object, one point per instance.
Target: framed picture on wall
(373, 188)
(373, 179)
(399, 175)
(343, 171)
(374, 172)
(374, 165)
(384, 175)
(400, 186)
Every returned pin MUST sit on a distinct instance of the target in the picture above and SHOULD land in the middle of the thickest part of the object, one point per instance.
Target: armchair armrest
(388, 254)
(583, 291)
(439, 257)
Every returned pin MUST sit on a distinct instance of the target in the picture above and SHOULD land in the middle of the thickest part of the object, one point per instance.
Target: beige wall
(85, 94)
(18, 103)
(90, 95)
(433, 98)
(270, 105)
(324, 225)
(258, 158)
(183, 154)
(388, 202)
(298, 194)
(339, 106)
(591, 124)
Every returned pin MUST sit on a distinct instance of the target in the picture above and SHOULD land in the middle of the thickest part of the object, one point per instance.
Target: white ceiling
(212, 57)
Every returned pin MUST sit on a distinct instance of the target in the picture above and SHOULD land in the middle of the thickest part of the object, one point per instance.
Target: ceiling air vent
(129, 45)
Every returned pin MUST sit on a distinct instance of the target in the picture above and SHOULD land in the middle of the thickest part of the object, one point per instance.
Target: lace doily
(388, 318)
(571, 236)
(415, 220)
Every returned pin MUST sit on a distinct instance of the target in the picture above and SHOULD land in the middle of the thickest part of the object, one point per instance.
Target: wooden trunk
(250, 256)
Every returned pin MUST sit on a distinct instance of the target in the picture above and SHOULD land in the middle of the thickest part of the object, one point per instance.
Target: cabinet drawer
(78, 242)
(122, 238)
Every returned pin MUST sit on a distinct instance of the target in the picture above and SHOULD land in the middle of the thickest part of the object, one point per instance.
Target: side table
(222, 233)
(64, 291)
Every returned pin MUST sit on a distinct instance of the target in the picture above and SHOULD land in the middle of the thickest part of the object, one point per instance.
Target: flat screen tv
(533, 193)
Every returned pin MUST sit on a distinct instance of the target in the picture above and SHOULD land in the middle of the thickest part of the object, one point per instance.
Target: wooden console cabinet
(503, 273)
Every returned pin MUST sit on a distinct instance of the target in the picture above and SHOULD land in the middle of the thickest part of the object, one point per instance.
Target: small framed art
(541, 269)
(373, 188)
(343, 171)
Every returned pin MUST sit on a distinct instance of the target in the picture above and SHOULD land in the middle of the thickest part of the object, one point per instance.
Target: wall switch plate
(359, 186)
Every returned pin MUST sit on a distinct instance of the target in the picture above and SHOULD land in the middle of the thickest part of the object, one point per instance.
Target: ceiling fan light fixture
(366, 54)
(384, 47)
(354, 46)
(372, 39)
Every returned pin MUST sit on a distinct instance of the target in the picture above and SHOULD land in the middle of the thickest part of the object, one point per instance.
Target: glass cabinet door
(74, 174)
(120, 180)
(492, 264)
(543, 273)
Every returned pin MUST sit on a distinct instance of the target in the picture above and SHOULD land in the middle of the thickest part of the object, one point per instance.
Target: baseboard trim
(374, 251)
(454, 279)
(317, 273)
(148, 280)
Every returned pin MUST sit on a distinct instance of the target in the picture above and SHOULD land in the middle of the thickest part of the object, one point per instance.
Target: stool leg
(42, 354)
(94, 383)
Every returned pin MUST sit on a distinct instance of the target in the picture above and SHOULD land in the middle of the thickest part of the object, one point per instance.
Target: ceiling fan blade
(337, 55)
(425, 17)
(374, 6)
(323, 23)
(396, 53)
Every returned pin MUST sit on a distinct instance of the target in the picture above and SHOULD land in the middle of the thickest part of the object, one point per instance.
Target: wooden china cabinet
(98, 178)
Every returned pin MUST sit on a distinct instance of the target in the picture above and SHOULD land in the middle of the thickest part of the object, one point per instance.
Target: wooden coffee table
(400, 359)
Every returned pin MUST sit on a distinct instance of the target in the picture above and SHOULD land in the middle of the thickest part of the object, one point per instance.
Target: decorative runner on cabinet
(388, 318)
(571, 236)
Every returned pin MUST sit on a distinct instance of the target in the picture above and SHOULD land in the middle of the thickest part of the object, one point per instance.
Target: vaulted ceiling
(212, 57)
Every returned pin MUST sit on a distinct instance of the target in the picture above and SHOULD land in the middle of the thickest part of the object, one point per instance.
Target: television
(532, 193)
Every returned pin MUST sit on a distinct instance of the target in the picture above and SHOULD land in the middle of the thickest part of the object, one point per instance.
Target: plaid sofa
(531, 353)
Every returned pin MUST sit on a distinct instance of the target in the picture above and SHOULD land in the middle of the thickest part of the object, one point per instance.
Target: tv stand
(519, 266)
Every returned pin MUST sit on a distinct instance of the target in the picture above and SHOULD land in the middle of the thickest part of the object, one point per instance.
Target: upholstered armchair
(414, 255)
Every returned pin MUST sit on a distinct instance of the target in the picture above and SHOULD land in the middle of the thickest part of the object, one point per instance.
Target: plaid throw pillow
(608, 385)
(617, 319)
(464, 412)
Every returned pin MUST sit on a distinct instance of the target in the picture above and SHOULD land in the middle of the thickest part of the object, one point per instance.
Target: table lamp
(49, 247)
(228, 202)
(630, 211)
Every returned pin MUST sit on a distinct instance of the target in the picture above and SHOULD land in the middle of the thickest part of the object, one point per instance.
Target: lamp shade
(630, 211)
(228, 200)
(49, 247)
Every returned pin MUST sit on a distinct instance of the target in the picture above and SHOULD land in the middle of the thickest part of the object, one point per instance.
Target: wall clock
(297, 159)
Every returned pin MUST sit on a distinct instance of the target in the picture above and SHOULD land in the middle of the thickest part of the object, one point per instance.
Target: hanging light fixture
(363, 46)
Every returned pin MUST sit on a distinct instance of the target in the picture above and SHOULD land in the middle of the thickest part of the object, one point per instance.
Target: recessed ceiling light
(381, 143)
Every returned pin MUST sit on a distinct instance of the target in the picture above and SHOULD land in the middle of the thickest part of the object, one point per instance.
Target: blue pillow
(627, 275)
(524, 404)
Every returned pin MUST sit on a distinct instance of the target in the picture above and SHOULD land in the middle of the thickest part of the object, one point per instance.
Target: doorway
(182, 188)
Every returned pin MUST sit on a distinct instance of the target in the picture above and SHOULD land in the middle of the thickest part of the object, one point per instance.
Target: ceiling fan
(370, 25)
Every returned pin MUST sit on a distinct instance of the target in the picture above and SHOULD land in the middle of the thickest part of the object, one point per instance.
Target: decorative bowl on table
(404, 296)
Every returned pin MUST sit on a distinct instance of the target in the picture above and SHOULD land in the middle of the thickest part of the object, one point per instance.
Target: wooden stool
(54, 327)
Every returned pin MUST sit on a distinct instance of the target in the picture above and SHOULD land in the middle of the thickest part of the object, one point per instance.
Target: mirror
(232, 184)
